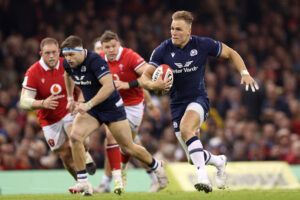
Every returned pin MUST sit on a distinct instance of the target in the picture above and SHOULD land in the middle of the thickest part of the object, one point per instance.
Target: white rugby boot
(221, 174)
(82, 187)
(161, 175)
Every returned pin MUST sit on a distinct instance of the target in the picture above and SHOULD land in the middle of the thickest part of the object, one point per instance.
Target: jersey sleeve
(156, 58)
(214, 47)
(99, 67)
(136, 60)
(30, 81)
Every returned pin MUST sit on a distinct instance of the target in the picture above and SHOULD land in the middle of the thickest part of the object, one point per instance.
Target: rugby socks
(195, 149)
(211, 159)
(124, 158)
(82, 176)
(154, 164)
(114, 156)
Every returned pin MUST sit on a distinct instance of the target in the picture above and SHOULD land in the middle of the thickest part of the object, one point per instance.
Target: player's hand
(71, 106)
(249, 81)
(120, 85)
(82, 107)
(162, 85)
(52, 101)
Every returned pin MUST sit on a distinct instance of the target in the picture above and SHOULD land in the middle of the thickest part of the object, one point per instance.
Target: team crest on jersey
(83, 69)
(175, 125)
(172, 54)
(193, 52)
(55, 89)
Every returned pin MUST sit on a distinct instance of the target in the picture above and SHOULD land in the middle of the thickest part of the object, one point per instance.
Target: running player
(186, 54)
(103, 106)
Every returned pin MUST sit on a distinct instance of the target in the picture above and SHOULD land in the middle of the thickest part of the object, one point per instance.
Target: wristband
(244, 72)
(89, 104)
(70, 99)
(133, 84)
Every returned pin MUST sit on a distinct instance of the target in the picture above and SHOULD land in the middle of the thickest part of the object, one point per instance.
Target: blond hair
(183, 15)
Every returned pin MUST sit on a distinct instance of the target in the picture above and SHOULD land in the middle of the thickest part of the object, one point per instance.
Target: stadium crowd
(259, 126)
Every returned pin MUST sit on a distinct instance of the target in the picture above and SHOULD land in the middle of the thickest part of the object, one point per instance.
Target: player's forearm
(28, 101)
(235, 59)
(146, 82)
(69, 85)
(101, 96)
(238, 62)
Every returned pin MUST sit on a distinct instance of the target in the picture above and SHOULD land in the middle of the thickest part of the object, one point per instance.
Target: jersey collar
(120, 50)
(45, 66)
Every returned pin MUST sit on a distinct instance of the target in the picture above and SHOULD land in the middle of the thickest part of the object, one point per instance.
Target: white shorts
(197, 108)
(135, 115)
(55, 134)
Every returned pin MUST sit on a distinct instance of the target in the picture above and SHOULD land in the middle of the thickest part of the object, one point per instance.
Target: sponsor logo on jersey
(193, 52)
(121, 66)
(79, 81)
(55, 89)
(172, 54)
(184, 68)
(42, 80)
(187, 64)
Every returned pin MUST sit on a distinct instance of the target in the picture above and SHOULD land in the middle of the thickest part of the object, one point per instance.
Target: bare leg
(65, 154)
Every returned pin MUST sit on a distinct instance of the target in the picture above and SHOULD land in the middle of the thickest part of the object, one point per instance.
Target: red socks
(114, 156)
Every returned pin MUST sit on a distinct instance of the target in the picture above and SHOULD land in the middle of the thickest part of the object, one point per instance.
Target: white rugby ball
(165, 71)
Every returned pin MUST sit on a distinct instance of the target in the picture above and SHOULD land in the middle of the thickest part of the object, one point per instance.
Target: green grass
(167, 195)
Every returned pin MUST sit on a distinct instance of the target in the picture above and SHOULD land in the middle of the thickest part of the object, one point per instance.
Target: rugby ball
(165, 71)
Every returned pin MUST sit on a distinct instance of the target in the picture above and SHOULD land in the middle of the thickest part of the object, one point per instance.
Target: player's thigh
(190, 121)
(83, 126)
(121, 132)
(67, 123)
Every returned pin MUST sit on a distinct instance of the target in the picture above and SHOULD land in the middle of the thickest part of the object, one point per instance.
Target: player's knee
(128, 150)
(76, 137)
(186, 132)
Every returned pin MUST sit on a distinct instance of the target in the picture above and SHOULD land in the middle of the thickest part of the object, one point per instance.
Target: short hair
(48, 40)
(183, 15)
(72, 42)
(108, 36)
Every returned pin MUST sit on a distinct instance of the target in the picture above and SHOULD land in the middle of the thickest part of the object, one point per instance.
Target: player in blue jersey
(103, 105)
(186, 54)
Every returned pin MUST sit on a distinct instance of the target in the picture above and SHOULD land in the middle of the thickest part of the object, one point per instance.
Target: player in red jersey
(126, 67)
(44, 90)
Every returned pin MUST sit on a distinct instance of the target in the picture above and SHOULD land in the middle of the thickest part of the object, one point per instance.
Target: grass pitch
(167, 195)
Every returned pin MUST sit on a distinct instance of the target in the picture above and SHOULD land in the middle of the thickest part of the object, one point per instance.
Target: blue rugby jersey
(87, 76)
(188, 65)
